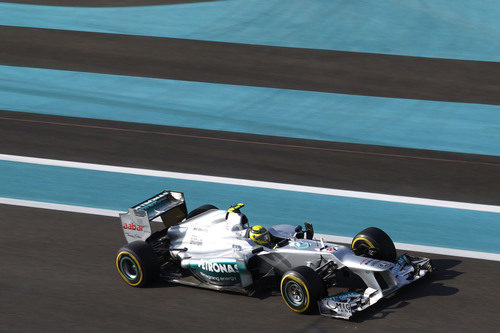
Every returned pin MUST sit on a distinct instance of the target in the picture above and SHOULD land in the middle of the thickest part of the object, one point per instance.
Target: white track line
(60, 207)
(254, 183)
(332, 238)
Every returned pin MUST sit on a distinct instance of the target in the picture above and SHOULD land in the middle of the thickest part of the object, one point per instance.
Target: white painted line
(331, 238)
(60, 207)
(255, 183)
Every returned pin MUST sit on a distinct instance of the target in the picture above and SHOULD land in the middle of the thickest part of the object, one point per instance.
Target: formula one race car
(217, 249)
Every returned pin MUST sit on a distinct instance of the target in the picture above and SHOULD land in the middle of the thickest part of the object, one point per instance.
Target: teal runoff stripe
(457, 127)
(413, 224)
(460, 29)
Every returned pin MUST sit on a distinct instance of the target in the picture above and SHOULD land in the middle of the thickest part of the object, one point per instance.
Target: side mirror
(298, 232)
(309, 230)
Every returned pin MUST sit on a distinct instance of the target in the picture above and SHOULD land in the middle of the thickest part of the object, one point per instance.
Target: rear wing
(168, 205)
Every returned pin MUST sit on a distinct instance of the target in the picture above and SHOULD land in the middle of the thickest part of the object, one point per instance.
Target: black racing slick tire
(301, 289)
(374, 243)
(199, 210)
(137, 264)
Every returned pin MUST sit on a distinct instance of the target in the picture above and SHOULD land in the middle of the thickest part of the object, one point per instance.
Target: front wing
(405, 271)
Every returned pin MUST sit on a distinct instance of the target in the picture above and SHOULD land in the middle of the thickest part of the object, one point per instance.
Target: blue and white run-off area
(429, 28)
(463, 30)
(332, 211)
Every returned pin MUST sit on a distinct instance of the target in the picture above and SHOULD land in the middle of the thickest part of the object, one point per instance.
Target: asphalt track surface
(58, 276)
(254, 65)
(389, 170)
(58, 268)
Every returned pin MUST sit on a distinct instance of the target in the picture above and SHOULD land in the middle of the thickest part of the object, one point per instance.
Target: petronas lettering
(216, 267)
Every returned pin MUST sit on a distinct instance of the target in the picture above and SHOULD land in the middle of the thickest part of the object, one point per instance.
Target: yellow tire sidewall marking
(130, 255)
(362, 239)
(299, 281)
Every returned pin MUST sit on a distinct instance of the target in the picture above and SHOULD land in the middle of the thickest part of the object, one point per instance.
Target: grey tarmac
(58, 271)
(378, 169)
(253, 65)
(59, 276)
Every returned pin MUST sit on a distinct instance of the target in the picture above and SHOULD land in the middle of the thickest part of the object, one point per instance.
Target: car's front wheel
(374, 243)
(301, 289)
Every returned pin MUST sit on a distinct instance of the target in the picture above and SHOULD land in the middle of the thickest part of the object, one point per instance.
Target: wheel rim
(129, 268)
(294, 294)
(362, 248)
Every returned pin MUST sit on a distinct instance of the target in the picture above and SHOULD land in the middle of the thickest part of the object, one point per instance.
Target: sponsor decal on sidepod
(218, 267)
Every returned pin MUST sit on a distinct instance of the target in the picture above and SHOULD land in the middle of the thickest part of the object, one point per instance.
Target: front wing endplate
(405, 271)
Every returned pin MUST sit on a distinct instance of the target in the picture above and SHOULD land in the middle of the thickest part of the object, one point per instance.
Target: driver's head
(260, 235)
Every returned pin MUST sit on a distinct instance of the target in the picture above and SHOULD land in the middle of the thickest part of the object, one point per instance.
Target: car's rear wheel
(374, 243)
(199, 210)
(301, 289)
(137, 264)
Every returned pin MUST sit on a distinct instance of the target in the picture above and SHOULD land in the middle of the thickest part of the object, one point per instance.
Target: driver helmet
(260, 235)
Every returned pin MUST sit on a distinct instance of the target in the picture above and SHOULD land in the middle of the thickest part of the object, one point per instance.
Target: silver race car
(215, 249)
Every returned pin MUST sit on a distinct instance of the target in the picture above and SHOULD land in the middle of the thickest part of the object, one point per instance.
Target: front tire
(374, 243)
(137, 264)
(301, 289)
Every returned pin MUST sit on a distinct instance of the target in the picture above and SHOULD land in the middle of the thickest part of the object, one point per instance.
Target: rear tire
(137, 264)
(199, 210)
(374, 243)
(301, 289)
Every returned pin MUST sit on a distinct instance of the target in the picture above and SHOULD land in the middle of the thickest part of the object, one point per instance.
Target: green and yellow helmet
(260, 235)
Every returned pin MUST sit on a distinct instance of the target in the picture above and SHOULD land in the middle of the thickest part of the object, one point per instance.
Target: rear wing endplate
(168, 205)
